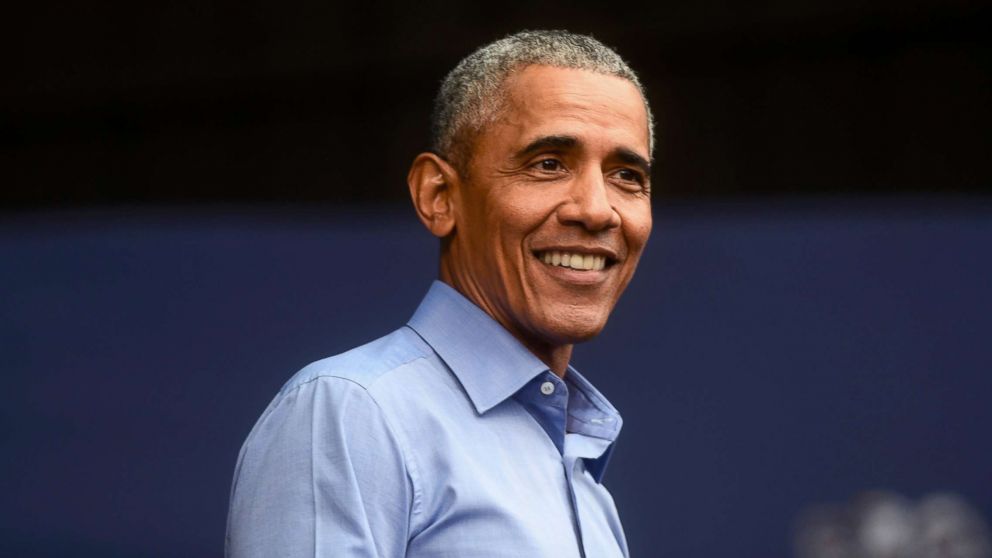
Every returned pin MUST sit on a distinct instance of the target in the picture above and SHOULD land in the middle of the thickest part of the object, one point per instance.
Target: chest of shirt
(495, 485)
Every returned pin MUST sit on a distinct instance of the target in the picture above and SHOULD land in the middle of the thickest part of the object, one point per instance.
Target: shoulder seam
(351, 380)
(374, 380)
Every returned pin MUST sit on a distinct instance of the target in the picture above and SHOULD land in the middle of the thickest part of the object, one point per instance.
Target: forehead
(594, 107)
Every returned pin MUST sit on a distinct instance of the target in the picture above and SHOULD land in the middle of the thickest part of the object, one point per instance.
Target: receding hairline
(473, 93)
(460, 149)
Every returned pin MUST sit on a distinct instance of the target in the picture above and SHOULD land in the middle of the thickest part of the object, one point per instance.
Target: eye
(629, 175)
(630, 179)
(549, 165)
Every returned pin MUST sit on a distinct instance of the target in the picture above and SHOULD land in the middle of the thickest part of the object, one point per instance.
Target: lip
(574, 277)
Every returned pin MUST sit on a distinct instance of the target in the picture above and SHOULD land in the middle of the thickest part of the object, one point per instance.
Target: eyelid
(536, 162)
(639, 185)
(641, 177)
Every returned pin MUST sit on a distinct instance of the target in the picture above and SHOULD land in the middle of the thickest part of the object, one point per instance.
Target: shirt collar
(589, 412)
(493, 366)
(488, 361)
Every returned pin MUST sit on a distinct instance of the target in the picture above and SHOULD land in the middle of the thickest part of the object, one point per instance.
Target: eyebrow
(547, 142)
(631, 158)
(568, 142)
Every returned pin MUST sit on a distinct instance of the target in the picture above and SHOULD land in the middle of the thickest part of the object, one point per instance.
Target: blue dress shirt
(445, 438)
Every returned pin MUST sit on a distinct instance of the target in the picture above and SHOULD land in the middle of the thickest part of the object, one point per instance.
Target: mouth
(573, 259)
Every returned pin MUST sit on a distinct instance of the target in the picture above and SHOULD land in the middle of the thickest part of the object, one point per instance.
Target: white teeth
(586, 262)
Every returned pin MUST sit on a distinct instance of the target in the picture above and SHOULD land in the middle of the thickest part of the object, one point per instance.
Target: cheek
(637, 225)
(515, 210)
(526, 204)
(519, 212)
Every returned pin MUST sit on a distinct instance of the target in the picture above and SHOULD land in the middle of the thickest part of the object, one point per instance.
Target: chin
(575, 325)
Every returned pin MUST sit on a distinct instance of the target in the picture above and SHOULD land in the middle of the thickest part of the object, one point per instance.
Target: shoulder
(345, 390)
(323, 452)
(366, 365)
(339, 400)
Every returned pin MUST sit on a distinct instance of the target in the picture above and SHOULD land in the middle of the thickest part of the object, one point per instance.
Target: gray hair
(472, 94)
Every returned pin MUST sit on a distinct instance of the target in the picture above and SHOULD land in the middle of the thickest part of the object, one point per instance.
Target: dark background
(199, 199)
(306, 101)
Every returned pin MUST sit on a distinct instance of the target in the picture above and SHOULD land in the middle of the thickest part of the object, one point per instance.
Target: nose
(588, 204)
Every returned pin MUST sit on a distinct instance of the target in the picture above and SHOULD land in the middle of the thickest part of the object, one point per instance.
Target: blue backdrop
(766, 357)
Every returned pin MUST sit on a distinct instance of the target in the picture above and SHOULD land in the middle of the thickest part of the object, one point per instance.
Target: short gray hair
(472, 94)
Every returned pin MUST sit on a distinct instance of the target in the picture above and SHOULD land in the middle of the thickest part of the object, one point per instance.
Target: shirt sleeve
(321, 474)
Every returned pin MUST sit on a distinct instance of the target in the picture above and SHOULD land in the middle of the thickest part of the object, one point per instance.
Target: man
(466, 433)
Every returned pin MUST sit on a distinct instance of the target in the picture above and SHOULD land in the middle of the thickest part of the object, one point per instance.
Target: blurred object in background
(886, 525)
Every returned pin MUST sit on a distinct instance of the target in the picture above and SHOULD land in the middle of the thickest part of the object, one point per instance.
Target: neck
(555, 356)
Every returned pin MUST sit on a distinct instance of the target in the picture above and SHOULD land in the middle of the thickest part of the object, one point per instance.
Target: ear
(430, 180)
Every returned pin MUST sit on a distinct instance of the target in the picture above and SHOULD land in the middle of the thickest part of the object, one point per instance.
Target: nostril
(589, 216)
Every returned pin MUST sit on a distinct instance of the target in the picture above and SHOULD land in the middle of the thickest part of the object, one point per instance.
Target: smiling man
(466, 433)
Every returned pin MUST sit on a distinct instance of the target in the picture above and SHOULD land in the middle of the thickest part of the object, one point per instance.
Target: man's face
(554, 210)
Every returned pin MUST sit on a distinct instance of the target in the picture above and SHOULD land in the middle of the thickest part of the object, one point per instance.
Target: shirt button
(547, 388)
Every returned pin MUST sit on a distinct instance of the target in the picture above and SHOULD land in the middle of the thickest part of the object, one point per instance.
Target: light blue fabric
(438, 440)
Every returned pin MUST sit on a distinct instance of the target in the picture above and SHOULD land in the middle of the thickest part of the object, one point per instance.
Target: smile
(573, 260)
